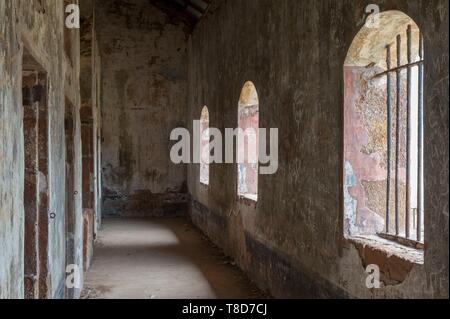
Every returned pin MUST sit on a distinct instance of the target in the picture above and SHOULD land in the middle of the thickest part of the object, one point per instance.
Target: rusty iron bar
(420, 211)
(389, 139)
(398, 132)
(417, 217)
(402, 67)
(408, 133)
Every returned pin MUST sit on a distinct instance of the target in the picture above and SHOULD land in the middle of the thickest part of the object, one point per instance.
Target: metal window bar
(408, 133)
(397, 137)
(420, 139)
(413, 216)
(389, 140)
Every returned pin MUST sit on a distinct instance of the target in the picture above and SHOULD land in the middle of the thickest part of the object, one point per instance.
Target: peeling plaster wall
(143, 98)
(38, 24)
(292, 241)
(90, 77)
(365, 155)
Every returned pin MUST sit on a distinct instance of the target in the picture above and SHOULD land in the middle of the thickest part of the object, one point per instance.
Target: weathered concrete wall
(39, 26)
(292, 242)
(143, 99)
(90, 77)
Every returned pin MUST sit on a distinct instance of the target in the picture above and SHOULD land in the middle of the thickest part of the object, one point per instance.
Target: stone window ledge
(248, 200)
(204, 185)
(394, 260)
(410, 254)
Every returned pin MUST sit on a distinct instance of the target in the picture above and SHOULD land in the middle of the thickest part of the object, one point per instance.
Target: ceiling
(190, 11)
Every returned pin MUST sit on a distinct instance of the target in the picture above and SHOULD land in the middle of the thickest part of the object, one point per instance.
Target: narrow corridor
(304, 149)
(161, 259)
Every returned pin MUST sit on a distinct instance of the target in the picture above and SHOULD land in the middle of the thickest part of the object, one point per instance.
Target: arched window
(383, 130)
(204, 146)
(248, 142)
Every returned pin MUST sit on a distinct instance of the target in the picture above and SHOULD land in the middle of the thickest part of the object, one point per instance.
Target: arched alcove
(204, 146)
(383, 129)
(248, 142)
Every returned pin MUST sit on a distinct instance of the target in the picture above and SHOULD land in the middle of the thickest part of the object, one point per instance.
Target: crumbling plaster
(292, 242)
(90, 113)
(38, 25)
(144, 98)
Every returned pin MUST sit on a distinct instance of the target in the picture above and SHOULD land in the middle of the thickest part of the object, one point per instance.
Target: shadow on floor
(149, 258)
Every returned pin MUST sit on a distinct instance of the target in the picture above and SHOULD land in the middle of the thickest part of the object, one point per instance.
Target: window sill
(253, 198)
(394, 260)
(248, 200)
(402, 241)
(390, 248)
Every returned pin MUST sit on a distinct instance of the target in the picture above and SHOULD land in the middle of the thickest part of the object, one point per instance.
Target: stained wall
(291, 242)
(143, 98)
(38, 27)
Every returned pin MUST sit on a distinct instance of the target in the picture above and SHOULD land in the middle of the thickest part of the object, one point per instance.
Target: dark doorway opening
(35, 130)
(69, 127)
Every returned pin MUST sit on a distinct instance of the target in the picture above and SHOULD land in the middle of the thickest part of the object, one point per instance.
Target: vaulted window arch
(383, 131)
(204, 146)
(248, 142)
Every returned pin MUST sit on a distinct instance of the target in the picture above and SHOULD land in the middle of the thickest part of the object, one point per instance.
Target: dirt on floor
(151, 258)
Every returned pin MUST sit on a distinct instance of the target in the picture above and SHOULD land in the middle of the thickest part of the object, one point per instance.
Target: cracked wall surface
(291, 242)
(37, 25)
(154, 76)
(144, 98)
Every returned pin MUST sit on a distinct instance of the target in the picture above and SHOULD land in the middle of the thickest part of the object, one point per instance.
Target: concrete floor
(161, 259)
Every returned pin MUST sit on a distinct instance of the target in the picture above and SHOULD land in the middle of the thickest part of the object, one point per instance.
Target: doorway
(35, 196)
